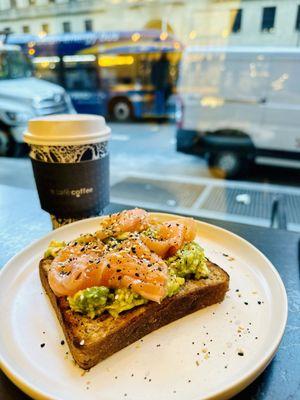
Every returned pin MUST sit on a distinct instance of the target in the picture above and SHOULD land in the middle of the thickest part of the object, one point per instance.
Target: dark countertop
(22, 221)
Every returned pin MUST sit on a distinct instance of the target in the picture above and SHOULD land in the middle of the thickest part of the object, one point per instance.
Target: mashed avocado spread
(95, 300)
(54, 248)
(189, 262)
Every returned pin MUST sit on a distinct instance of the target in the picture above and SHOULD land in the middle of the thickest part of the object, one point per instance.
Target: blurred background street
(150, 148)
(146, 170)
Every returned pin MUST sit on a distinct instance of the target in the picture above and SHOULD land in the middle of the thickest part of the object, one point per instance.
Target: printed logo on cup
(68, 192)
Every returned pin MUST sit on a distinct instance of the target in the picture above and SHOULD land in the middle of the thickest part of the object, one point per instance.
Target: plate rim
(241, 382)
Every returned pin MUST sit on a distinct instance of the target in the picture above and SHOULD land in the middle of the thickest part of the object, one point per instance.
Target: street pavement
(148, 148)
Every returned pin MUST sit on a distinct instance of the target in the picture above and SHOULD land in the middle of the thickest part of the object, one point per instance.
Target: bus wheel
(226, 164)
(121, 110)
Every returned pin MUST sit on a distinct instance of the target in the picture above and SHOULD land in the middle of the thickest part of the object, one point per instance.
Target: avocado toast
(105, 312)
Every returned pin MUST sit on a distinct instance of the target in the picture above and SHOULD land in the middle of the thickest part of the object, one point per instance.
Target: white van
(23, 97)
(238, 105)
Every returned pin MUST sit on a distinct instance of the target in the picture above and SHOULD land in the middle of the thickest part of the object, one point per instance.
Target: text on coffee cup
(71, 192)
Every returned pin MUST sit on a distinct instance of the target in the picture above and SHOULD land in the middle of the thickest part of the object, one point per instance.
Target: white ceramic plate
(213, 353)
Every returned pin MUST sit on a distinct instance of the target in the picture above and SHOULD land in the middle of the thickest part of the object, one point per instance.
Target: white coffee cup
(70, 159)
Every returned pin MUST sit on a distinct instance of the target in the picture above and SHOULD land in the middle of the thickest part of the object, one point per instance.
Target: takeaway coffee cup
(70, 160)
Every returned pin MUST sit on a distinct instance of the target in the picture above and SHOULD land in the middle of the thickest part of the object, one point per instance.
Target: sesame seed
(42, 345)
(81, 342)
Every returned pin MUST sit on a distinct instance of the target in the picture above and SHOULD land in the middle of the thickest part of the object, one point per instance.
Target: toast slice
(93, 340)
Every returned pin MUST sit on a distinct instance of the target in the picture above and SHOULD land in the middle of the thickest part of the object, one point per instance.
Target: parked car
(23, 97)
(237, 106)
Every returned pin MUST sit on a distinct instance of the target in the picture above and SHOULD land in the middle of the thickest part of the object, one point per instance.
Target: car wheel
(226, 164)
(121, 110)
(5, 143)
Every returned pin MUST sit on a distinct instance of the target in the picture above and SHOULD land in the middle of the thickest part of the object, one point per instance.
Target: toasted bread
(93, 340)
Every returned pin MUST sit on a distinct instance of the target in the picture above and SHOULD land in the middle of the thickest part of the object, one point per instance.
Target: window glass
(203, 97)
(88, 24)
(14, 65)
(297, 25)
(66, 27)
(236, 20)
(268, 19)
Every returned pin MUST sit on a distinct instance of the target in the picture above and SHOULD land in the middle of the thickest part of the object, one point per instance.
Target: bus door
(81, 80)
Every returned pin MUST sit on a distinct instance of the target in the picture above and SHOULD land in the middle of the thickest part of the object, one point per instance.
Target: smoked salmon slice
(135, 268)
(135, 220)
(170, 236)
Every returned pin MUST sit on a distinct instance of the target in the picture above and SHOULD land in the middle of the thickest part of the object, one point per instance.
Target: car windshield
(14, 65)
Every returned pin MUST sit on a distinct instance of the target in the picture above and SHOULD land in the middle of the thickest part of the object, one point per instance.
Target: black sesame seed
(259, 302)
(119, 270)
(245, 302)
(42, 344)
(62, 342)
(237, 290)
(241, 353)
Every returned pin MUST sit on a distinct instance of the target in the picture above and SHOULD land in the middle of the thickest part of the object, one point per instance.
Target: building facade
(204, 22)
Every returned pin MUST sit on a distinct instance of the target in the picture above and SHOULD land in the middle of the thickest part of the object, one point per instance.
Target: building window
(45, 28)
(66, 27)
(236, 20)
(297, 26)
(268, 19)
(25, 29)
(88, 25)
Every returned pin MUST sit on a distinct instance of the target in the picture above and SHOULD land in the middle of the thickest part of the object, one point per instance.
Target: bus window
(78, 78)
(48, 68)
(117, 69)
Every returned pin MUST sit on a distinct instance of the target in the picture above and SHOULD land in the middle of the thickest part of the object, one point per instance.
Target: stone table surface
(22, 221)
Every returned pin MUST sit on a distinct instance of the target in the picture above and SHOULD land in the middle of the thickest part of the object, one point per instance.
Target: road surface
(148, 148)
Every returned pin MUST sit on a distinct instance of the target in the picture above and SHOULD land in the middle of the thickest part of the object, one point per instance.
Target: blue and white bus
(121, 75)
